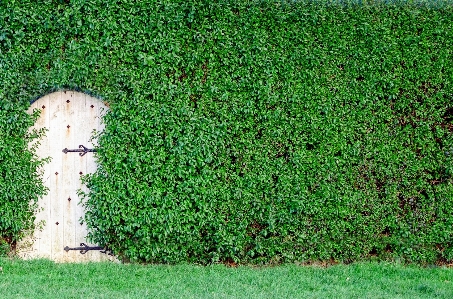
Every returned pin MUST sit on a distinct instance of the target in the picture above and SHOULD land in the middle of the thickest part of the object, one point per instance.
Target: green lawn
(45, 279)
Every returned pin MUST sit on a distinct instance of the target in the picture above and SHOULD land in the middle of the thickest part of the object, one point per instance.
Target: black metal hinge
(82, 150)
(84, 248)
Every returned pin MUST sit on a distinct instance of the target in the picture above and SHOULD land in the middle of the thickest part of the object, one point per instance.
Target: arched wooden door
(70, 118)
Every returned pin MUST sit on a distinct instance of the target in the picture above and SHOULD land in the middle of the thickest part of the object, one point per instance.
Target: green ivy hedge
(243, 131)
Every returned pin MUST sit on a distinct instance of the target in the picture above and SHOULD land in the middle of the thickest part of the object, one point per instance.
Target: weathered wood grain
(70, 118)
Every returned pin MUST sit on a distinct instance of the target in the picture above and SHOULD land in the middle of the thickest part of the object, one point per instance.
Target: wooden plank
(82, 170)
(57, 131)
(71, 101)
(43, 247)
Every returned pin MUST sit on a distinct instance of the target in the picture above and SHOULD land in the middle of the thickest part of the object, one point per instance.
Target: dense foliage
(20, 181)
(245, 131)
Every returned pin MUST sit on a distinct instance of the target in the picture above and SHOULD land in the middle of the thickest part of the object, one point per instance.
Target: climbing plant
(244, 131)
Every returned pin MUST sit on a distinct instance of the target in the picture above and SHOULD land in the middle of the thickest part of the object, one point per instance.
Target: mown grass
(45, 279)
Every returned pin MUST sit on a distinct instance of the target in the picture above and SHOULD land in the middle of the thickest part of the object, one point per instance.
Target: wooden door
(70, 118)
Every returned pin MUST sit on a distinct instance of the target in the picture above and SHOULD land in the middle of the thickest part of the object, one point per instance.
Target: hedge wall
(245, 131)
